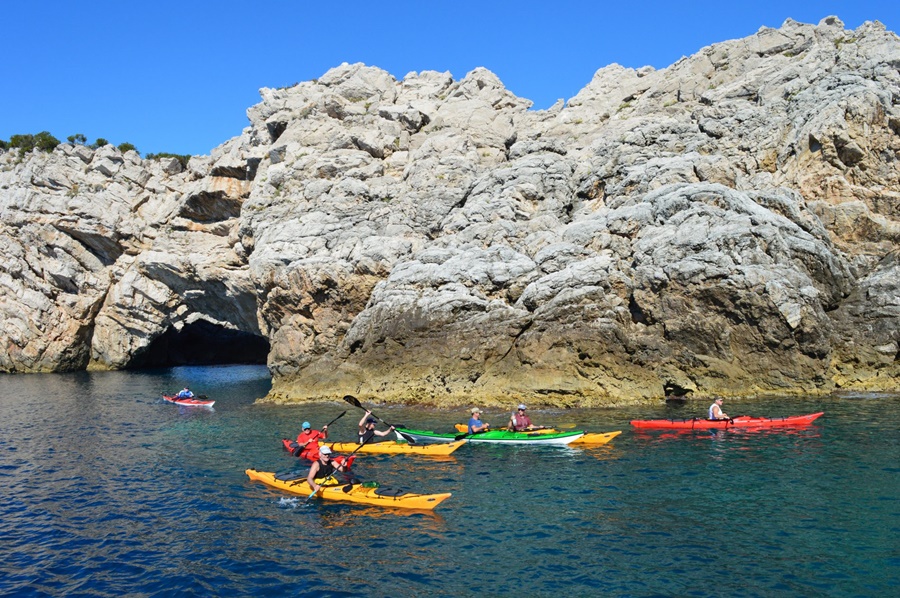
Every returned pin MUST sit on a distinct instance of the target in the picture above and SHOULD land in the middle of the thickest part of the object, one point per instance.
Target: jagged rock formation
(727, 225)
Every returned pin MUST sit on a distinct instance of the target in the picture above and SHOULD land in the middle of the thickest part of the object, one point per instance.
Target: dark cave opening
(203, 343)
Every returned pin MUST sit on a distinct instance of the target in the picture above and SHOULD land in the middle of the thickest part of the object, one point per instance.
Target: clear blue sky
(178, 76)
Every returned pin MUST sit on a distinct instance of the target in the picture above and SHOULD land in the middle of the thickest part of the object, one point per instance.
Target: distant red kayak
(741, 421)
(193, 402)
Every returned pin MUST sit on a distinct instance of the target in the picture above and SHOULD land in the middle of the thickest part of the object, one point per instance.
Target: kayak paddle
(355, 402)
(335, 419)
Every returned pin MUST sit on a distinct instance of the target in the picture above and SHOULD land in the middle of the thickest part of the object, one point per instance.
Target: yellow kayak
(597, 438)
(397, 448)
(368, 493)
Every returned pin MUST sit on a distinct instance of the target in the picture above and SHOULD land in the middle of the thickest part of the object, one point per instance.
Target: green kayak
(492, 436)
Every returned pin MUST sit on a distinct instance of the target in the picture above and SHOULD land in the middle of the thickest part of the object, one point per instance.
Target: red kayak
(293, 447)
(741, 421)
(192, 402)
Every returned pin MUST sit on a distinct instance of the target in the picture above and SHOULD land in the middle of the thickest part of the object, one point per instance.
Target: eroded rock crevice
(202, 343)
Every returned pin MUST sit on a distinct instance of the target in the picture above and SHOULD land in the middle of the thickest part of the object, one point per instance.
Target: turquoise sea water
(105, 490)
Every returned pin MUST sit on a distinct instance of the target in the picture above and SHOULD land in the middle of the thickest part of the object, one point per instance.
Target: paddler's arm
(311, 476)
(384, 432)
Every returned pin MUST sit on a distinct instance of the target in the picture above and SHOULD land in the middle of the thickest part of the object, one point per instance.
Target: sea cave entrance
(203, 343)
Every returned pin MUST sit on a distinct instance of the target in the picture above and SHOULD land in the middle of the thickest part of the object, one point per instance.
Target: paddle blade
(409, 439)
(353, 401)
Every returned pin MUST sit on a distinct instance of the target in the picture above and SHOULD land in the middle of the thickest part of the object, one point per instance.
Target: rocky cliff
(728, 225)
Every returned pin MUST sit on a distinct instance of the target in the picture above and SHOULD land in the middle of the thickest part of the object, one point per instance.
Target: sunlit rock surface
(728, 225)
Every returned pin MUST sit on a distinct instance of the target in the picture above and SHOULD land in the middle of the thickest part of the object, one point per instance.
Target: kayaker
(475, 423)
(519, 421)
(308, 441)
(715, 410)
(367, 429)
(322, 467)
(185, 393)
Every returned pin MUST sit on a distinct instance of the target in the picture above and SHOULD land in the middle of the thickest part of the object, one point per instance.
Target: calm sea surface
(105, 490)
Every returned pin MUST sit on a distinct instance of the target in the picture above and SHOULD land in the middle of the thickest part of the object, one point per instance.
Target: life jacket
(331, 467)
(325, 470)
(520, 422)
(310, 444)
(365, 435)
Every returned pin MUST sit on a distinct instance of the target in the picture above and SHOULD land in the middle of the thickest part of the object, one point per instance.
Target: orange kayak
(597, 438)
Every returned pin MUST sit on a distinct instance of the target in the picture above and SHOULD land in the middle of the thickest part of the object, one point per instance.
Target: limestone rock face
(105, 252)
(727, 225)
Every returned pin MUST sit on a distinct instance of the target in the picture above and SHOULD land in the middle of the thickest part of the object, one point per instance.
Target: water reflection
(341, 515)
(601, 453)
(807, 430)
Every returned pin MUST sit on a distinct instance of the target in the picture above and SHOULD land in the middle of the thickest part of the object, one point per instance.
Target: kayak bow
(597, 438)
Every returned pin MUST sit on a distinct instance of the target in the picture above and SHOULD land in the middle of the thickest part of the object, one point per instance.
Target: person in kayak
(520, 422)
(323, 467)
(715, 410)
(367, 429)
(308, 441)
(475, 423)
(185, 393)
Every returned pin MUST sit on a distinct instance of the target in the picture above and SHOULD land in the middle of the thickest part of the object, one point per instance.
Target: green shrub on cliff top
(47, 142)
(43, 141)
